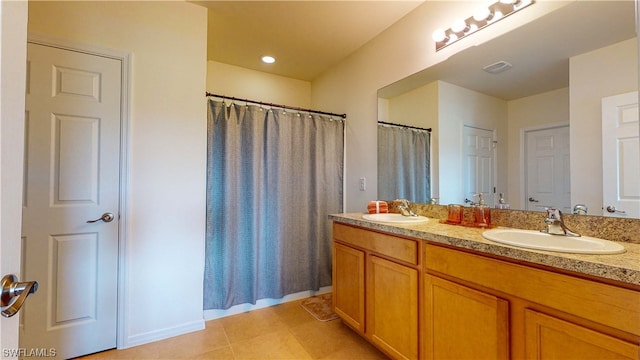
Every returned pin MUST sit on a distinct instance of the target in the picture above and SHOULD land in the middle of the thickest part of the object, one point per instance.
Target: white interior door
(478, 163)
(620, 156)
(72, 176)
(547, 175)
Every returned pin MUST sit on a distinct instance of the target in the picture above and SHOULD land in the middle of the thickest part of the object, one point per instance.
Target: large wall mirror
(533, 132)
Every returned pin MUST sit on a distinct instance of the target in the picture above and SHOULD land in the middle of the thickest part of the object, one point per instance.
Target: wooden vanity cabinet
(376, 288)
(480, 307)
(414, 299)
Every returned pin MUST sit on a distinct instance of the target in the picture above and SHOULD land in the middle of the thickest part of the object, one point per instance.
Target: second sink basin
(542, 241)
(395, 218)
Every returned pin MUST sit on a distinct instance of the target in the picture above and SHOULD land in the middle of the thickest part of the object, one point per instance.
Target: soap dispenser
(482, 212)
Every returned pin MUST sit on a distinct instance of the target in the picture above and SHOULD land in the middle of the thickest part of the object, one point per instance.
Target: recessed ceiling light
(268, 59)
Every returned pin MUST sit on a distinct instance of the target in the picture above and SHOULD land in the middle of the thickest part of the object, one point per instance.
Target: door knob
(14, 294)
(612, 209)
(531, 199)
(106, 217)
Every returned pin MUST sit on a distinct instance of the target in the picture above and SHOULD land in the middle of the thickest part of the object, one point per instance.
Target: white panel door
(547, 177)
(72, 176)
(478, 163)
(620, 156)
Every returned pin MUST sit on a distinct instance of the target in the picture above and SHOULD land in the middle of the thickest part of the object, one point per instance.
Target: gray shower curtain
(403, 164)
(273, 176)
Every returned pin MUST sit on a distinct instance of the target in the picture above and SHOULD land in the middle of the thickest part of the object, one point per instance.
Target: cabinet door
(548, 337)
(463, 323)
(348, 285)
(392, 307)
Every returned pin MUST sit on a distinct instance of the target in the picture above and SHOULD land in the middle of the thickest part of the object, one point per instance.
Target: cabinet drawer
(395, 247)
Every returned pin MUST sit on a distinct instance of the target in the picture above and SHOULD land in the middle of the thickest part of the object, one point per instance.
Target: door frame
(523, 157)
(123, 202)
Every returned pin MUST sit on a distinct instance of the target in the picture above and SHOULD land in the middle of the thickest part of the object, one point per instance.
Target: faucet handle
(405, 207)
(403, 202)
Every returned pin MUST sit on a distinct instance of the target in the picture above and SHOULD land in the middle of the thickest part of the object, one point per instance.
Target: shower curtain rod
(344, 116)
(405, 126)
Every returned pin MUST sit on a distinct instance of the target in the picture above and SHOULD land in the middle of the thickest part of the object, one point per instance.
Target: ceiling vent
(497, 67)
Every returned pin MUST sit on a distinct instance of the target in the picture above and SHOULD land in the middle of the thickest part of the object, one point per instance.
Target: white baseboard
(162, 334)
(213, 314)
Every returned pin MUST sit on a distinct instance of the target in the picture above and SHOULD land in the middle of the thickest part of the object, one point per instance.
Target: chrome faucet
(405, 208)
(555, 224)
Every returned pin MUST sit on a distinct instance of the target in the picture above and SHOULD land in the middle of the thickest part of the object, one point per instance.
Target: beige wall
(536, 111)
(229, 80)
(167, 151)
(605, 72)
(418, 107)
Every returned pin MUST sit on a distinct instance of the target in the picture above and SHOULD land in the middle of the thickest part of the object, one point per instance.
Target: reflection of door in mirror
(620, 162)
(547, 180)
(478, 165)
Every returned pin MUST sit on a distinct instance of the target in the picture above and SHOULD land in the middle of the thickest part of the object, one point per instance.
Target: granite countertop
(623, 267)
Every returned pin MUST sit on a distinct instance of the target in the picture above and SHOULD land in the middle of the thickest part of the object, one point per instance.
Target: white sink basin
(395, 218)
(542, 241)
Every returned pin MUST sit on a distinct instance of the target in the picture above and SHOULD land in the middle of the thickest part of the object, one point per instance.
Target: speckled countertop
(623, 267)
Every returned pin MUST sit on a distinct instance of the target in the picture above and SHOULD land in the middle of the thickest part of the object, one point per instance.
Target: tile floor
(285, 331)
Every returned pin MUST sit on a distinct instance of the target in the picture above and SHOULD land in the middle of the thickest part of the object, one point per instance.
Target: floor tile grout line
(226, 336)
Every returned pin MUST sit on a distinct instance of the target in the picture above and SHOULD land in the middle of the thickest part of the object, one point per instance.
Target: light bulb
(483, 14)
(459, 26)
(268, 59)
(439, 35)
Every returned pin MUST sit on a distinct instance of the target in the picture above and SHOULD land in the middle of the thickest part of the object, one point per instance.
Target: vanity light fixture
(481, 18)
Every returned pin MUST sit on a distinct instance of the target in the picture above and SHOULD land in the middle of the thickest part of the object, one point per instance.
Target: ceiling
(305, 37)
